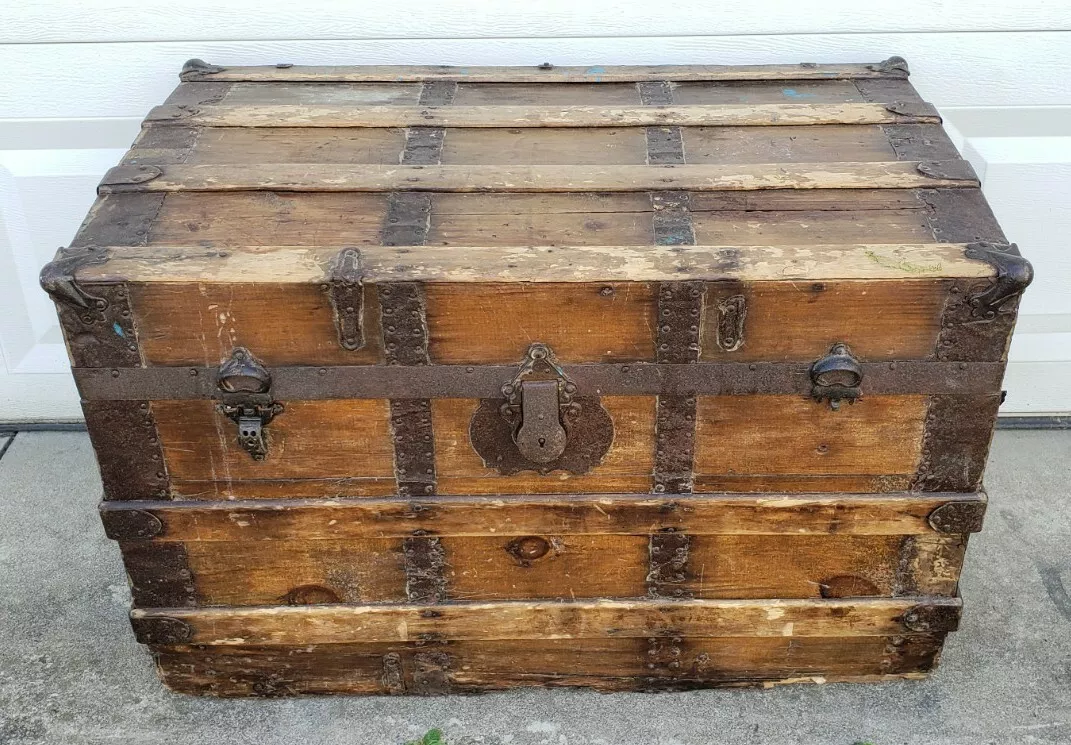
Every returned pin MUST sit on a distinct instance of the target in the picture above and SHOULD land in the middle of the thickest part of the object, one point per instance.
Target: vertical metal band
(680, 310)
(955, 443)
(672, 219)
(668, 565)
(414, 448)
(424, 145)
(408, 219)
(664, 660)
(103, 334)
(128, 449)
(425, 569)
(665, 145)
(160, 575)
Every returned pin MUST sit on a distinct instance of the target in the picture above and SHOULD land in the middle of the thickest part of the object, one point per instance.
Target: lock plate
(540, 424)
(245, 384)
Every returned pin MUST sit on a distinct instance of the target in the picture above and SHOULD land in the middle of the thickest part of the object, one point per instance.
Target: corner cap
(1014, 274)
(958, 517)
(195, 69)
(931, 619)
(892, 66)
(59, 281)
(160, 629)
(126, 525)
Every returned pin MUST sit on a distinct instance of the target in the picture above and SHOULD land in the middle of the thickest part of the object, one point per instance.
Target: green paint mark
(432, 737)
(903, 264)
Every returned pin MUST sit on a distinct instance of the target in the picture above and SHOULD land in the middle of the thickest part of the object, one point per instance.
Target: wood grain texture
(575, 147)
(790, 435)
(786, 144)
(268, 218)
(295, 145)
(497, 323)
(602, 664)
(201, 323)
(491, 568)
(201, 444)
(564, 74)
(297, 572)
(897, 514)
(802, 320)
(341, 624)
(317, 115)
(524, 278)
(329, 177)
(625, 468)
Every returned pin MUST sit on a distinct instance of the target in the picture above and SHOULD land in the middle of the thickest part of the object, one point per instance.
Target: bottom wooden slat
(635, 664)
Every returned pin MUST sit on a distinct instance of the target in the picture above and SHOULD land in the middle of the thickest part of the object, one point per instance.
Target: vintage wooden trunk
(432, 379)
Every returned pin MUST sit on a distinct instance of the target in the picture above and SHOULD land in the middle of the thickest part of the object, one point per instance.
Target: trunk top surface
(548, 174)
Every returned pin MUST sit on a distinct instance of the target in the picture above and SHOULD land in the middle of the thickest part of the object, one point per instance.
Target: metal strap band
(672, 219)
(485, 381)
(124, 436)
(668, 565)
(424, 145)
(414, 447)
(665, 145)
(425, 564)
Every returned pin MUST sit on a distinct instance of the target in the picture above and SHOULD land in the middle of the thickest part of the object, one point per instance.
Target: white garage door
(77, 78)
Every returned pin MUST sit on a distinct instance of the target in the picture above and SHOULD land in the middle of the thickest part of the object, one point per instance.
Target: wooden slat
(589, 74)
(339, 624)
(602, 664)
(323, 177)
(324, 115)
(499, 265)
(903, 513)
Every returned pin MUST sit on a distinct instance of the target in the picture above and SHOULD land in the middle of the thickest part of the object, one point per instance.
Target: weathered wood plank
(512, 117)
(602, 664)
(455, 266)
(903, 513)
(790, 435)
(340, 624)
(554, 74)
(623, 178)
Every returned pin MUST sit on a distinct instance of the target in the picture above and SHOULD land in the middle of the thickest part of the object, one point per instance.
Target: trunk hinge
(345, 290)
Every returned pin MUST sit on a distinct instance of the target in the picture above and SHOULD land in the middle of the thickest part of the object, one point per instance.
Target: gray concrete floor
(71, 673)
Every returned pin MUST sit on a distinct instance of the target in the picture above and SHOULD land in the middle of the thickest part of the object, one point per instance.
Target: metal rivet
(115, 373)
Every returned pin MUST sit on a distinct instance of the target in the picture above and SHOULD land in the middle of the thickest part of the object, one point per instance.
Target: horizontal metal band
(514, 116)
(196, 70)
(338, 177)
(485, 381)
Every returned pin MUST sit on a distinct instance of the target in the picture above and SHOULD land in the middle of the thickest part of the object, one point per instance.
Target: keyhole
(542, 442)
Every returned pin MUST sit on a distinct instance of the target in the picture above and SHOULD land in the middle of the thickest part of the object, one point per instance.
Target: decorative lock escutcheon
(836, 377)
(245, 385)
(540, 423)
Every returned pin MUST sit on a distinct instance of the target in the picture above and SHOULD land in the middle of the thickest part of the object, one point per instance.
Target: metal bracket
(540, 407)
(541, 425)
(129, 175)
(836, 377)
(245, 385)
(59, 281)
(126, 525)
(947, 170)
(194, 68)
(345, 289)
(1014, 273)
(912, 109)
(931, 619)
(958, 517)
(892, 65)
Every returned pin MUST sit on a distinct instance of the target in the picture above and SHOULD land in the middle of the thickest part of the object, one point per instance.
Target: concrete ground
(70, 671)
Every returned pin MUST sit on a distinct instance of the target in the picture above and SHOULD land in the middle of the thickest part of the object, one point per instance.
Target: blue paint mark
(792, 93)
(118, 329)
(597, 71)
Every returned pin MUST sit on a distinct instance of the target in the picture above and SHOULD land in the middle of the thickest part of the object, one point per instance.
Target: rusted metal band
(663, 661)
(671, 219)
(485, 381)
(920, 142)
(680, 308)
(414, 447)
(425, 569)
(124, 436)
(955, 442)
(345, 292)
(437, 92)
(674, 444)
(665, 145)
(159, 574)
(423, 146)
(408, 218)
(668, 565)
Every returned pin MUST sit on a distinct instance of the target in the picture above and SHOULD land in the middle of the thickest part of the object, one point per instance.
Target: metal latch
(245, 384)
(836, 377)
(539, 406)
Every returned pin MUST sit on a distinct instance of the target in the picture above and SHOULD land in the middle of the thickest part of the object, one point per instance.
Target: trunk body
(635, 381)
